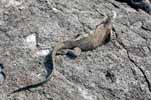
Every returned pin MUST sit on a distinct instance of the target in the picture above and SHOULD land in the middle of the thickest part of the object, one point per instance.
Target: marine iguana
(101, 34)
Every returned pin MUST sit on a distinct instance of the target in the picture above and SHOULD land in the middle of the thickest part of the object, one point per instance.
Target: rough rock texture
(119, 70)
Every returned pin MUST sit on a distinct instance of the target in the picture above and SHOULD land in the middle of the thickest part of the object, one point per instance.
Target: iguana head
(108, 20)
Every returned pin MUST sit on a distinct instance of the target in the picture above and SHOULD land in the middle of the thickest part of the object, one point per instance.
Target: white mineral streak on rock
(43, 52)
(30, 41)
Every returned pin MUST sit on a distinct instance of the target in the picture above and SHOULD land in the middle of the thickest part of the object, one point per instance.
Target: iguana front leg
(75, 52)
(71, 53)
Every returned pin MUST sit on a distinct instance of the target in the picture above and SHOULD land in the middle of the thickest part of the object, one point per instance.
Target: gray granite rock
(119, 70)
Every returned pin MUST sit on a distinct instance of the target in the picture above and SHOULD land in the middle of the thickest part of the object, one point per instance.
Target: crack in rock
(133, 62)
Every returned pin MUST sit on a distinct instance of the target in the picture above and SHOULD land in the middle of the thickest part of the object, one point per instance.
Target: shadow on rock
(2, 74)
(48, 64)
(139, 4)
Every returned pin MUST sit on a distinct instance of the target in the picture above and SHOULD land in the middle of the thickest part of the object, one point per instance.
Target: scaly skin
(92, 41)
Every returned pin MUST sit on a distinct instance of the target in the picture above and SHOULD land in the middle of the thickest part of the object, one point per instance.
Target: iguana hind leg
(74, 53)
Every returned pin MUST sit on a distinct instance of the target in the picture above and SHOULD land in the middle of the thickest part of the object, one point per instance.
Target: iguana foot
(75, 52)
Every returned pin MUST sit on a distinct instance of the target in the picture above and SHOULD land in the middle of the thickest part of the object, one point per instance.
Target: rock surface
(119, 70)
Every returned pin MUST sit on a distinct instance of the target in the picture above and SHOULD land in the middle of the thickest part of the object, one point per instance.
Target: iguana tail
(48, 77)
